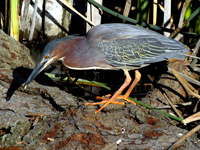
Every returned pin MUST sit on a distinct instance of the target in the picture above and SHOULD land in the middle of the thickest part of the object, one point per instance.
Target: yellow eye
(46, 56)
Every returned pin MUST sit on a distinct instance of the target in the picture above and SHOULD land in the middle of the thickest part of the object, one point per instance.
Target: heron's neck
(71, 48)
(77, 54)
(75, 48)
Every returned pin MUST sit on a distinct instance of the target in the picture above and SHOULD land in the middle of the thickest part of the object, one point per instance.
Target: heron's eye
(46, 56)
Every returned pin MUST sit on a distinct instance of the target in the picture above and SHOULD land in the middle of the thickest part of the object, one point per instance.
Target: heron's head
(51, 53)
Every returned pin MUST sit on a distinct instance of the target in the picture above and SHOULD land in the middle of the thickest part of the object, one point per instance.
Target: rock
(13, 54)
(45, 117)
(17, 132)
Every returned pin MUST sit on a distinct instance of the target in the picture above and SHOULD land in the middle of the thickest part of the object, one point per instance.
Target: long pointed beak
(40, 66)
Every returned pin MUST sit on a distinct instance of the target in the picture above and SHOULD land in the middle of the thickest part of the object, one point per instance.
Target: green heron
(113, 47)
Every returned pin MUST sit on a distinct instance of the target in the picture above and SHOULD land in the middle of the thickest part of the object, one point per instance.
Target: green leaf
(187, 15)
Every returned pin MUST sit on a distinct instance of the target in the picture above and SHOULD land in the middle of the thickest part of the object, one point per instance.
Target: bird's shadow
(20, 75)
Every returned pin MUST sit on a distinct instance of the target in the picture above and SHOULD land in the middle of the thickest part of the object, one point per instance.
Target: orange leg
(128, 92)
(117, 94)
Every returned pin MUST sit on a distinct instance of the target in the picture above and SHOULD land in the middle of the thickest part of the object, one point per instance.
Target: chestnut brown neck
(77, 54)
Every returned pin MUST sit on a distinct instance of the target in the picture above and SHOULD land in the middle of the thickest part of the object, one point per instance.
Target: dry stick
(6, 15)
(172, 105)
(37, 117)
(155, 11)
(93, 14)
(189, 79)
(161, 7)
(191, 118)
(74, 10)
(167, 106)
(170, 102)
(189, 89)
(167, 15)
(196, 48)
(33, 21)
(25, 14)
(36, 120)
(23, 19)
(196, 107)
(194, 14)
(193, 64)
(127, 8)
(175, 145)
(180, 25)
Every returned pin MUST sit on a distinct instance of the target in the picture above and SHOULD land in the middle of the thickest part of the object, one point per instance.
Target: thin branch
(193, 64)
(167, 16)
(172, 106)
(191, 118)
(189, 89)
(25, 13)
(189, 79)
(74, 10)
(175, 145)
(196, 48)
(155, 12)
(150, 107)
(33, 21)
(194, 14)
(127, 8)
(180, 25)
(178, 105)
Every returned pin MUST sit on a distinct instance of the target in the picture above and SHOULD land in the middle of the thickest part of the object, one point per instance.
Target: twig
(25, 13)
(33, 21)
(24, 18)
(179, 36)
(175, 145)
(172, 105)
(178, 105)
(187, 78)
(167, 16)
(169, 101)
(193, 64)
(194, 14)
(150, 107)
(155, 11)
(191, 118)
(6, 14)
(189, 89)
(160, 6)
(127, 8)
(74, 10)
(196, 48)
(36, 120)
(93, 14)
(36, 116)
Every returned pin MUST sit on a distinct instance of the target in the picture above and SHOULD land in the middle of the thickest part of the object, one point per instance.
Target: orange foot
(117, 94)
(105, 100)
